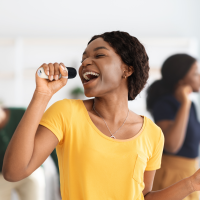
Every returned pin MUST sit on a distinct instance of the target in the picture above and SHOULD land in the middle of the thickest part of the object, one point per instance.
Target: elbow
(172, 148)
(7, 175)
(12, 175)
(172, 151)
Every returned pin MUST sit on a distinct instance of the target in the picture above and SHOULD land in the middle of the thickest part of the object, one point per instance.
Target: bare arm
(148, 181)
(31, 144)
(175, 131)
(177, 191)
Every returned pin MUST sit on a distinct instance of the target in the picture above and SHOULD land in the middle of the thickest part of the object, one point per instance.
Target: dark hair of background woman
(133, 54)
(173, 69)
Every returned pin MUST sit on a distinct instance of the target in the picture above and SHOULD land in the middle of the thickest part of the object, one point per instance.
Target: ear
(128, 71)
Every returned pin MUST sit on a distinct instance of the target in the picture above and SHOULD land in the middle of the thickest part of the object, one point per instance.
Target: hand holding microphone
(52, 77)
(71, 73)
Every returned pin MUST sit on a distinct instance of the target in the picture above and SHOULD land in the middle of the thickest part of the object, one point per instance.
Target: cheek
(195, 83)
(112, 73)
(111, 77)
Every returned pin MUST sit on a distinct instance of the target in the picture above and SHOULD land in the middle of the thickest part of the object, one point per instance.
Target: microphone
(71, 73)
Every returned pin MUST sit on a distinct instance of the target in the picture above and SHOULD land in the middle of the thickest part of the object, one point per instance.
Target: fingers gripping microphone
(71, 73)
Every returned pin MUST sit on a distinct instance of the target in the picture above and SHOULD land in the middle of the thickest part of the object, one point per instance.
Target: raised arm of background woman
(175, 130)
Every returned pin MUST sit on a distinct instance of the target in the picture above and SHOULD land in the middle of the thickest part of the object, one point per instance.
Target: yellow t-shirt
(92, 165)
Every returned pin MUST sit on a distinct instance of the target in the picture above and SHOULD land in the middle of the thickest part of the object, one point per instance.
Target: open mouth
(89, 76)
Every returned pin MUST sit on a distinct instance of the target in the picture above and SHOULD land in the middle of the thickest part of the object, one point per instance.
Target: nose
(86, 62)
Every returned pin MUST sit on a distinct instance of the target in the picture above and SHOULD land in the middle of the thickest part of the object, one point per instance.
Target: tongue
(90, 76)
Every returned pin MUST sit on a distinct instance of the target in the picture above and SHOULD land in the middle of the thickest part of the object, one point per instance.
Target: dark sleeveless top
(166, 108)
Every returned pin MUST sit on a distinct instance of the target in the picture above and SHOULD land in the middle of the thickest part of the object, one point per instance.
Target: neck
(111, 107)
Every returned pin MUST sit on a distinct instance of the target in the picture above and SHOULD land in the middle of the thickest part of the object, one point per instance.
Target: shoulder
(66, 108)
(153, 132)
(165, 108)
(167, 100)
(151, 126)
(61, 111)
(66, 104)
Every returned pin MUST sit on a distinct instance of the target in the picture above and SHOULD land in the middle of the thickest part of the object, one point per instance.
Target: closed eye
(99, 55)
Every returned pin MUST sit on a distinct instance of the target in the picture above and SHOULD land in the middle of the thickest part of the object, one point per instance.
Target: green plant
(77, 93)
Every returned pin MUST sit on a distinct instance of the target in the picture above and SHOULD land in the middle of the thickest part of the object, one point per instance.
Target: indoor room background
(41, 31)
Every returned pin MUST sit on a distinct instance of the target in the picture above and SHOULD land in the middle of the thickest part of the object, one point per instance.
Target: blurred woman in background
(168, 102)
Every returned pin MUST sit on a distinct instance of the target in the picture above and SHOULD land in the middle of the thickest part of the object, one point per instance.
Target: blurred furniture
(47, 179)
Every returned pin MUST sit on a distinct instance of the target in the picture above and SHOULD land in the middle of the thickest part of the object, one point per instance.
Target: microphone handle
(71, 73)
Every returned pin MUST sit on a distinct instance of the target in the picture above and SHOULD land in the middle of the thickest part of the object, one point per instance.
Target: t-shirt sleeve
(155, 161)
(57, 118)
(163, 110)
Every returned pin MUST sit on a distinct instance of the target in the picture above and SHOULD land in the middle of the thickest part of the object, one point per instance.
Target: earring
(124, 76)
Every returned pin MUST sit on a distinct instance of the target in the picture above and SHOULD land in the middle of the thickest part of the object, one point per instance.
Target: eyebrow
(97, 48)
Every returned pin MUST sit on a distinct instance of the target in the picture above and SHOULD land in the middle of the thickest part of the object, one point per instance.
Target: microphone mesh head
(71, 72)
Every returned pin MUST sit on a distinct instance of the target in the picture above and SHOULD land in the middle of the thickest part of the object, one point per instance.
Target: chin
(91, 93)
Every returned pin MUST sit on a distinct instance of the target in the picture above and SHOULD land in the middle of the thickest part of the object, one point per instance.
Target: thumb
(64, 74)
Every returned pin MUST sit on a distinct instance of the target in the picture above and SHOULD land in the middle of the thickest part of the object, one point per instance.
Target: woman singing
(105, 151)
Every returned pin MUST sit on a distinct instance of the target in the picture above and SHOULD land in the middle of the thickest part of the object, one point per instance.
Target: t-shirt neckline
(105, 136)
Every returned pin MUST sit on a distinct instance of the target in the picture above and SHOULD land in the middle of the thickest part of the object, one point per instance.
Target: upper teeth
(87, 73)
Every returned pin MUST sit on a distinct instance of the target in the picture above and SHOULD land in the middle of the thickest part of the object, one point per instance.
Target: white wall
(50, 18)
(43, 25)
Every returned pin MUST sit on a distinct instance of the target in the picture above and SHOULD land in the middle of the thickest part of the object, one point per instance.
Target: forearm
(175, 135)
(178, 191)
(21, 146)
